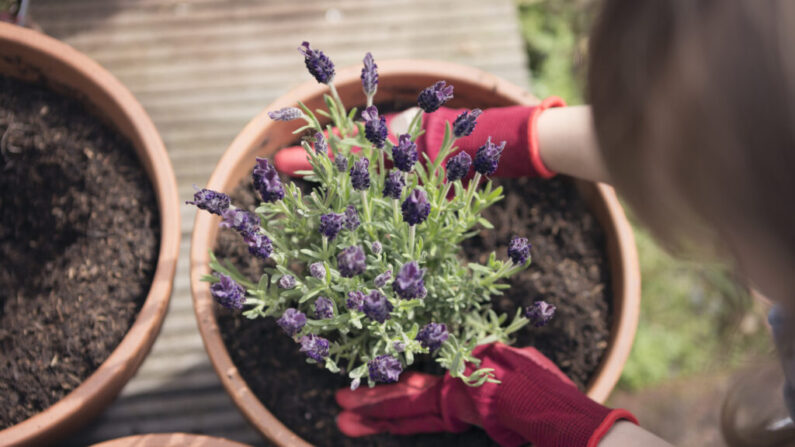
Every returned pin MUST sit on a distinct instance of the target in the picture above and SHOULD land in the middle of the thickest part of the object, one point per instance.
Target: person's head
(694, 108)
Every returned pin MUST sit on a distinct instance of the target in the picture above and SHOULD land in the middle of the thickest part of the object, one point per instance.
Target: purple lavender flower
(266, 181)
(458, 166)
(435, 96)
(539, 313)
(315, 347)
(321, 146)
(351, 218)
(369, 75)
(380, 280)
(375, 129)
(519, 250)
(385, 369)
(355, 300)
(292, 321)
(408, 283)
(405, 153)
(318, 64)
(341, 162)
(399, 346)
(360, 175)
(393, 184)
(376, 248)
(286, 114)
(416, 207)
(465, 123)
(259, 245)
(324, 308)
(351, 261)
(331, 224)
(376, 306)
(241, 220)
(487, 157)
(317, 270)
(432, 335)
(209, 200)
(228, 293)
(287, 282)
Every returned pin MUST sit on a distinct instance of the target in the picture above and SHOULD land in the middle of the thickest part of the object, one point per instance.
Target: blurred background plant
(695, 317)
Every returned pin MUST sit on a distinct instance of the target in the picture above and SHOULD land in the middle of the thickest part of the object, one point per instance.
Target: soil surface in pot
(79, 236)
(570, 270)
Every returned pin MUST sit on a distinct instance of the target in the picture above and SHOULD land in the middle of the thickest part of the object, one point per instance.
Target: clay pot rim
(251, 139)
(101, 387)
(170, 440)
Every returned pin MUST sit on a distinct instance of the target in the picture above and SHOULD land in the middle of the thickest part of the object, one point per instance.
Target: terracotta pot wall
(399, 81)
(33, 56)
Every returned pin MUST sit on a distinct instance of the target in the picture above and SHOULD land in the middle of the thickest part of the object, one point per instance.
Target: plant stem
(412, 231)
(473, 184)
(396, 211)
(341, 107)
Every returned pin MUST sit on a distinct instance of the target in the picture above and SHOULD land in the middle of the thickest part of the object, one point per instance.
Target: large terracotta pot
(33, 56)
(170, 440)
(399, 81)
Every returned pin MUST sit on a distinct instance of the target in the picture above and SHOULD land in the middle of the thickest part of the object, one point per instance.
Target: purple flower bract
(432, 335)
(384, 369)
(465, 123)
(376, 306)
(458, 166)
(405, 153)
(519, 250)
(286, 114)
(212, 201)
(292, 321)
(539, 313)
(409, 283)
(315, 347)
(317, 270)
(355, 300)
(266, 181)
(240, 220)
(487, 157)
(331, 224)
(360, 175)
(228, 293)
(351, 261)
(351, 218)
(259, 245)
(324, 308)
(381, 280)
(393, 184)
(287, 282)
(375, 129)
(318, 64)
(435, 96)
(369, 75)
(416, 207)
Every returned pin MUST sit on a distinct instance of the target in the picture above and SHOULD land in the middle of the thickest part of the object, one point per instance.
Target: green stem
(412, 231)
(341, 108)
(473, 184)
(396, 211)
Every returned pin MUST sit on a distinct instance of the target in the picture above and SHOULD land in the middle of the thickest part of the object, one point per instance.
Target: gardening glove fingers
(355, 425)
(416, 394)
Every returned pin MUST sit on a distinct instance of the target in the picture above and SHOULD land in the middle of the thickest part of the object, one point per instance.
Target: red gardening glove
(534, 403)
(515, 125)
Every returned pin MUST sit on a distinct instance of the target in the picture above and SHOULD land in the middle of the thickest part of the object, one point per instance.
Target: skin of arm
(627, 434)
(567, 143)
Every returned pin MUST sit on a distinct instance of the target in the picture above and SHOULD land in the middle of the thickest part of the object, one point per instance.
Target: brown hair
(694, 108)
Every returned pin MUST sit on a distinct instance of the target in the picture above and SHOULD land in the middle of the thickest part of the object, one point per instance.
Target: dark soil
(79, 236)
(569, 269)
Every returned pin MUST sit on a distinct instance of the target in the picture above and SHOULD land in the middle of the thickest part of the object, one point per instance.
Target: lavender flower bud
(376, 248)
(259, 245)
(321, 146)
(369, 75)
(341, 162)
(376, 306)
(519, 250)
(465, 123)
(324, 308)
(380, 280)
(385, 369)
(315, 347)
(286, 114)
(287, 282)
(458, 166)
(416, 207)
(351, 261)
(375, 129)
(317, 270)
(241, 220)
(408, 283)
(399, 346)
(228, 293)
(351, 218)
(292, 321)
(539, 313)
(487, 157)
(432, 335)
(355, 300)
(318, 64)
(355, 384)
(331, 224)
(405, 153)
(209, 200)
(393, 184)
(266, 181)
(360, 175)
(435, 96)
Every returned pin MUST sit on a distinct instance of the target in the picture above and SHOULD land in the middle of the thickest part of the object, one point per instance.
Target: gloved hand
(534, 403)
(515, 125)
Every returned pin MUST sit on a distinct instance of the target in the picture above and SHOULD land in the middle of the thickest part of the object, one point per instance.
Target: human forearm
(567, 143)
(627, 434)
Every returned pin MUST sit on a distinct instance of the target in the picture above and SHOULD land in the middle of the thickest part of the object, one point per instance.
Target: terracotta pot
(170, 440)
(33, 56)
(400, 81)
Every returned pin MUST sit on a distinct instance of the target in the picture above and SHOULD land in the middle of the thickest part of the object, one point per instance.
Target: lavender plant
(381, 277)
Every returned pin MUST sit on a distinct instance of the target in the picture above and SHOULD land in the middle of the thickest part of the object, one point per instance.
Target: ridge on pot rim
(399, 82)
(32, 56)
